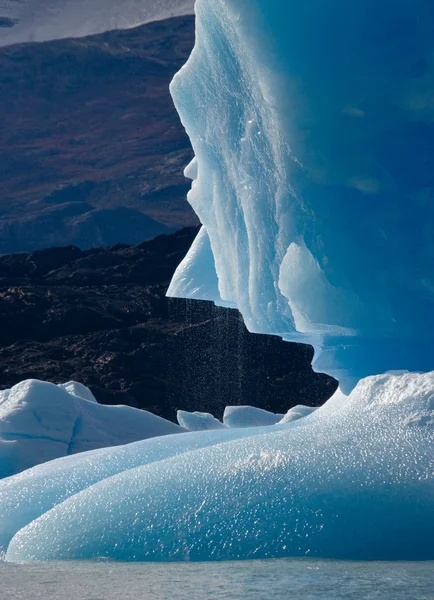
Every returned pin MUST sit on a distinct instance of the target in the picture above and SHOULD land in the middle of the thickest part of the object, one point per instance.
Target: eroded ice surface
(312, 126)
(354, 480)
(41, 20)
(40, 421)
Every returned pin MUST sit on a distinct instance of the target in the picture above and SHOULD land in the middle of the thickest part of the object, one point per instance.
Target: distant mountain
(91, 148)
(42, 20)
(101, 317)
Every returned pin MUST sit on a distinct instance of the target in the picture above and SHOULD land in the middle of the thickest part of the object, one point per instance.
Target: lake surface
(258, 580)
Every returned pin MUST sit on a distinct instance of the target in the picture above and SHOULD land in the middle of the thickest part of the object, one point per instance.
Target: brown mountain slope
(91, 147)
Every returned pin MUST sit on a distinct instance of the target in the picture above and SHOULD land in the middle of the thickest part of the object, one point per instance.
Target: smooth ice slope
(354, 480)
(41, 20)
(249, 416)
(312, 126)
(40, 421)
(30, 494)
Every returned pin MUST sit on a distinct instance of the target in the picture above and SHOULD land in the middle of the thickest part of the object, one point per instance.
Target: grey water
(257, 580)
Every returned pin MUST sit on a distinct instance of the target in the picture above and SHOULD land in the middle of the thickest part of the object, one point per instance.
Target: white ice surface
(78, 389)
(198, 421)
(298, 412)
(40, 421)
(249, 416)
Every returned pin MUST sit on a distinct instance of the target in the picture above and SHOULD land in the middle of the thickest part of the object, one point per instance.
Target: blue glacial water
(257, 580)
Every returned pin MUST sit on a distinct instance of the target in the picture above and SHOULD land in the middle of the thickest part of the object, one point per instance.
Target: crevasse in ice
(313, 130)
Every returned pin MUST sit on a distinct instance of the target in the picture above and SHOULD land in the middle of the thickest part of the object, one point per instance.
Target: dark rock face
(91, 147)
(101, 317)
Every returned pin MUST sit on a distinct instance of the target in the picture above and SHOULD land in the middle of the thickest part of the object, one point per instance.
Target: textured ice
(41, 20)
(354, 480)
(312, 127)
(249, 416)
(40, 421)
(28, 495)
(298, 412)
(78, 389)
(198, 421)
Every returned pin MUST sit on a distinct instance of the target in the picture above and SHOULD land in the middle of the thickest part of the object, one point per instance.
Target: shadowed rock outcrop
(101, 317)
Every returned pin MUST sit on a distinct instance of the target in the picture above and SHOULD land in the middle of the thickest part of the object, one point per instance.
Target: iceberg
(233, 417)
(298, 412)
(354, 480)
(78, 389)
(249, 416)
(312, 127)
(313, 176)
(41, 421)
(198, 421)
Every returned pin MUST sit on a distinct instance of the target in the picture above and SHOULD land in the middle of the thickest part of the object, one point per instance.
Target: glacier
(312, 127)
(44, 20)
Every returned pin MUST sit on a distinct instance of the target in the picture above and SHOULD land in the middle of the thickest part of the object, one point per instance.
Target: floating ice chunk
(40, 421)
(28, 495)
(298, 412)
(249, 416)
(78, 389)
(354, 480)
(198, 421)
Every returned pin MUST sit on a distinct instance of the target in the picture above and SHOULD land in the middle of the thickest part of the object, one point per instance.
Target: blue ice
(312, 126)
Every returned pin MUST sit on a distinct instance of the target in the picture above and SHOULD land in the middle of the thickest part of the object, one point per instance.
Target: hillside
(101, 317)
(91, 148)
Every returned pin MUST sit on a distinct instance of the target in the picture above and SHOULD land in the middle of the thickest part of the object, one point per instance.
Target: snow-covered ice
(249, 416)
(42, 20)
(40, 421)
(198, 421)
(353, 480)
